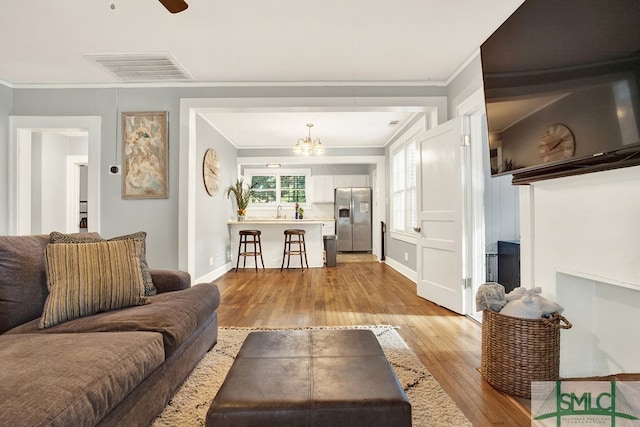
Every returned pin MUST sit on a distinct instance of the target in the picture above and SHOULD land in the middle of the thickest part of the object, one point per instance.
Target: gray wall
(466, 83)
(212, 212)
(159, 218)
(5, 110)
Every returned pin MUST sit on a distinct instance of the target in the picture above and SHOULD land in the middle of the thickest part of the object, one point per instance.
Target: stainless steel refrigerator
(353, 219)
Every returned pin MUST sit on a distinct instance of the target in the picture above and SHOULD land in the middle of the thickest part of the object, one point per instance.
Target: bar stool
(301, 248)
(249, 237)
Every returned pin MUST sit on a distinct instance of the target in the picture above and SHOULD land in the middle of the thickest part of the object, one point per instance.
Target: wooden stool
(299, 250)
(251, 237)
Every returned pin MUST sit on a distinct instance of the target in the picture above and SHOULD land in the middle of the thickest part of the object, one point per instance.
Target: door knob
(417, 229)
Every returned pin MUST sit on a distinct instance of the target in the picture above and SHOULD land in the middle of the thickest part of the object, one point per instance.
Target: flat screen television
(561, 82)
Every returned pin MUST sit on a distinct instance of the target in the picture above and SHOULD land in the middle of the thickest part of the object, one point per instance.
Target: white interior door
(442, 250)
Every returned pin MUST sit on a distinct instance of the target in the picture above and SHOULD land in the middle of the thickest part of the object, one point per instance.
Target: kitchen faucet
(279, 212)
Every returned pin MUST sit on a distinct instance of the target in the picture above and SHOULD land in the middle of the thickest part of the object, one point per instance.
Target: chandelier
(307, 146)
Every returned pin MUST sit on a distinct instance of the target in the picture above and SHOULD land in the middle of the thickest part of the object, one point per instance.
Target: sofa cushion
(86, 278)
(174, 314)
(23, 280)
(71, 379)
(141, 236)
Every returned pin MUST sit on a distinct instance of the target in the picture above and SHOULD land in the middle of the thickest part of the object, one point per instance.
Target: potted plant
(242, 194)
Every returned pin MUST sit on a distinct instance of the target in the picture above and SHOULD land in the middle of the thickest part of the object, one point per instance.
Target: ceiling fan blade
(174, 6)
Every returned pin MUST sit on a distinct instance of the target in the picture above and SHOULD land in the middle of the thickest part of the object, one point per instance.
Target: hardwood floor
(368, 293)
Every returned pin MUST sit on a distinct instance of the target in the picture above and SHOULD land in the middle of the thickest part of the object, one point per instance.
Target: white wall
(581, 244)
(5, 108)
(502, 214)
(49, 179)
(53, 215)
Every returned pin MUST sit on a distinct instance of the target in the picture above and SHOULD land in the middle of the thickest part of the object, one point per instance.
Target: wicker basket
(517, 351)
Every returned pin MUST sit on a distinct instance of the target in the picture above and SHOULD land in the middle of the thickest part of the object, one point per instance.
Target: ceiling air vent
(141, 67)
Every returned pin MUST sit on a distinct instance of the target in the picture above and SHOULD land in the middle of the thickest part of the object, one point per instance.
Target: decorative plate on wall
(557, 143)
(211, 171)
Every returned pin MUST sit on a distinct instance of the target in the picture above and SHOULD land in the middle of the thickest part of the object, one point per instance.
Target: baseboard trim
(402, 269)
(213, 275)
(399, 267)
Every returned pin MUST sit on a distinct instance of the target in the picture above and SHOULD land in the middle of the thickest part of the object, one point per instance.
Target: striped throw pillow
(149, 287)
(86, 278)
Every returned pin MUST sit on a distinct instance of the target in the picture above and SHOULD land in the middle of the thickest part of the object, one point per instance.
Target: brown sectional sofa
(113, 368)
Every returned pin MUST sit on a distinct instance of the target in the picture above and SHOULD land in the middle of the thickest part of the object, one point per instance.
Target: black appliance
(509, 264)
(561, 81)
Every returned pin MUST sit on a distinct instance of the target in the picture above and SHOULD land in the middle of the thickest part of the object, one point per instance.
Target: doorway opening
(30, 194)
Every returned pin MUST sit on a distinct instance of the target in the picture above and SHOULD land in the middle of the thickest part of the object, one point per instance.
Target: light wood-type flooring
(360, 291)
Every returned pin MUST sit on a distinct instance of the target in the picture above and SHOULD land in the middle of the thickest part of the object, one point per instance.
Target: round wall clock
(210, 171)
(557, 143)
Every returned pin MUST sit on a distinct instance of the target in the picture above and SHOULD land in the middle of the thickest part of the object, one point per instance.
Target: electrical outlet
(210, 260)
(406, 256)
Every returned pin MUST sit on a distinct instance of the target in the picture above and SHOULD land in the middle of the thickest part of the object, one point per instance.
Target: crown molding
(416, 83)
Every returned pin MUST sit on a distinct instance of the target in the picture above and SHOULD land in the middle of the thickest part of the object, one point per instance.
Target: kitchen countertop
(266, 221)
(272, 240)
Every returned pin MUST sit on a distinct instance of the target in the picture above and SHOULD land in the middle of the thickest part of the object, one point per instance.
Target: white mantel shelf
(595, 278)
(272, 238)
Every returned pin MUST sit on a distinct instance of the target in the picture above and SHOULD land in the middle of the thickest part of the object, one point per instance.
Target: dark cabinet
(509, 264)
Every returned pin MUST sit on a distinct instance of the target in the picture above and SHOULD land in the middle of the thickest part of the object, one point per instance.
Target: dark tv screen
(561, 81)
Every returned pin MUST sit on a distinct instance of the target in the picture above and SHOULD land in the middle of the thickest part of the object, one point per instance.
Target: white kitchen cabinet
(351, 180)
(359, 180)
(323, 185)
(323, 188)
(328, 228)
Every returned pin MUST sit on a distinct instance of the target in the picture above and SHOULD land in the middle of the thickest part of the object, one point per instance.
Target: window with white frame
(405, 153)
(403, 187)
(282, 187)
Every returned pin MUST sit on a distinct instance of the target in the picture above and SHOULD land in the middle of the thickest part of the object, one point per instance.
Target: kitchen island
(273, 241)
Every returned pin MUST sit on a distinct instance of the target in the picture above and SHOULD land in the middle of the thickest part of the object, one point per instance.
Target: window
(293, 188)
(284, 187)
(399, 179)
(264, 188)
(405, 154)
(403, 169)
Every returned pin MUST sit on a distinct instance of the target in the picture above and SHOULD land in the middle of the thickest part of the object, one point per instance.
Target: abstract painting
(145, 155)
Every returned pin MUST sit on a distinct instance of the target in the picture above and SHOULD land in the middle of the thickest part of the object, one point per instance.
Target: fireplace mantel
(580, 242)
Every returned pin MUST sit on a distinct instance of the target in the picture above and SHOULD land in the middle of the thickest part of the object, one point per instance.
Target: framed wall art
(145, 149)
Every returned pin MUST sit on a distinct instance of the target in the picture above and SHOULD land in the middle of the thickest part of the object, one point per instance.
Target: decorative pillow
(57, 237)
(86, 278)
(149, 288)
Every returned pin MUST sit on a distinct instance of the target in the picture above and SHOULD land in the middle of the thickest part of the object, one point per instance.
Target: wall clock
(211, 171)
(557, 143)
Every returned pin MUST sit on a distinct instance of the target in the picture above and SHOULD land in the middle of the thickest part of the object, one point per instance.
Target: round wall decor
(557, 143)
(211, 171)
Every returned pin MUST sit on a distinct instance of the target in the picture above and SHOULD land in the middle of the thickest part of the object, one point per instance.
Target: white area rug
(430, 405)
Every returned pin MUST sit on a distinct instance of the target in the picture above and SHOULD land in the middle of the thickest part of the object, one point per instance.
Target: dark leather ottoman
(310, 378)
